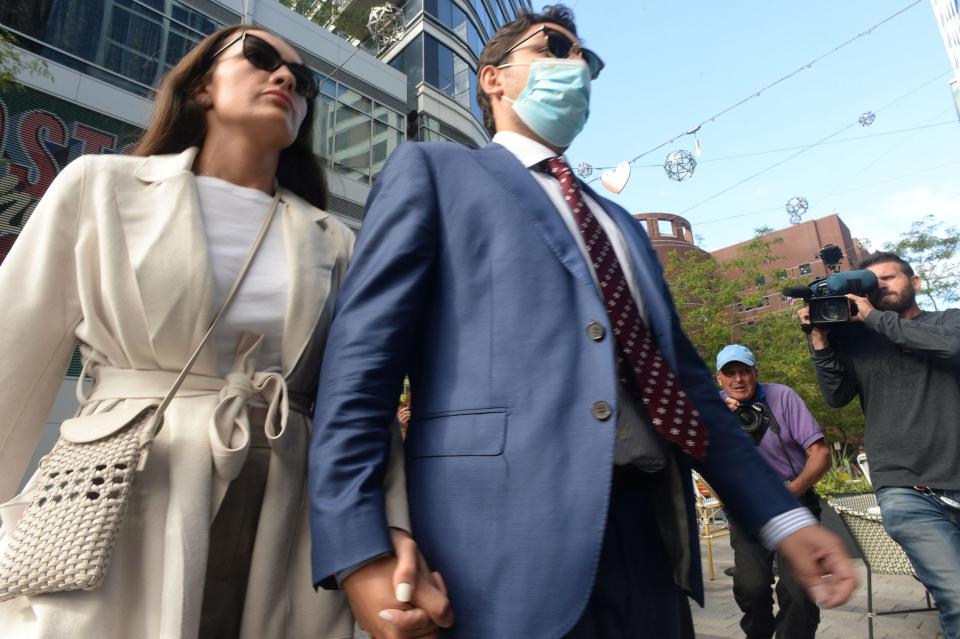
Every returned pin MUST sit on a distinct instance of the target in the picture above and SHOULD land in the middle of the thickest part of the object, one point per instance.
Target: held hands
(820, 564)
(398, 597)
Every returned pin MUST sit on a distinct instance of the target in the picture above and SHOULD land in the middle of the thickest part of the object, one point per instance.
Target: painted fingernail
(404, 592)
(386, 616)
(818, 594)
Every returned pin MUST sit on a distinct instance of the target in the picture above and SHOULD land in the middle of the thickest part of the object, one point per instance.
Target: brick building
(669, 233)
(797, 251)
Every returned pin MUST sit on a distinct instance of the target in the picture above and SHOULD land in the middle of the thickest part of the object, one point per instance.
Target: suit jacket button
(595, 331)
(601, 410)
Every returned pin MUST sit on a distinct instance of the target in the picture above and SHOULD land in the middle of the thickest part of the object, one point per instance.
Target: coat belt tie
(229, 425)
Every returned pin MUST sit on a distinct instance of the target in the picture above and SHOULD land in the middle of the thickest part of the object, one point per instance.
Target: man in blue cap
(789, 439)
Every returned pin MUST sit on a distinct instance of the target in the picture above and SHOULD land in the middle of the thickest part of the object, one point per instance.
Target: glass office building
(438, 53)
(110, 55)
(439, 56)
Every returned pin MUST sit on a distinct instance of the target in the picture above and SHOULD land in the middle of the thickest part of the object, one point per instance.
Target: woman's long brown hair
(179, 121)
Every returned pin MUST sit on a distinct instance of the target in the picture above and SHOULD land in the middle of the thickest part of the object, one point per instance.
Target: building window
(452, 17)
(665, 228)
(781, 274)
(450, 74)
(761, 280)
(125, 43)
(355, 133)
(500, 15)
(485, 20)
(804, 269)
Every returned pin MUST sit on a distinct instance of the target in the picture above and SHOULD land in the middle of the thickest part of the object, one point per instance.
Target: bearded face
(896, 291)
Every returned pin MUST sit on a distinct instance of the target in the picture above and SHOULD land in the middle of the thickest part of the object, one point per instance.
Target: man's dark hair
(496, 48)
(881, 257)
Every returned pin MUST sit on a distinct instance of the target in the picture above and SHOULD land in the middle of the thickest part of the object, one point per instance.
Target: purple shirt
(798, 431)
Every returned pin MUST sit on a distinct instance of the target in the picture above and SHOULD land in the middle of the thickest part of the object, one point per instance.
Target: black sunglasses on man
(560, 46)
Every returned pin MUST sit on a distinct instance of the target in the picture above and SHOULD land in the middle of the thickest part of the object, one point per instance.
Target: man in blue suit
(558, 405)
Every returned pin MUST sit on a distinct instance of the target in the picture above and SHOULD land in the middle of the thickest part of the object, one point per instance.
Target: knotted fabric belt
(229, 425)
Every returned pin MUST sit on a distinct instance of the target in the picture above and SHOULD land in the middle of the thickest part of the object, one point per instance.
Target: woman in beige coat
(127, 255)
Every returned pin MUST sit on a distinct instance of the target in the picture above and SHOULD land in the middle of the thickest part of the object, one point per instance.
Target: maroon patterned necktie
(642, 366)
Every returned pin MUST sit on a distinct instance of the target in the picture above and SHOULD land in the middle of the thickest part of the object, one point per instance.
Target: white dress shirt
(635, 435)
(531, 153)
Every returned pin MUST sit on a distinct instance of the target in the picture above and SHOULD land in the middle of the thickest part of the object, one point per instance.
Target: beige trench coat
(115, 256)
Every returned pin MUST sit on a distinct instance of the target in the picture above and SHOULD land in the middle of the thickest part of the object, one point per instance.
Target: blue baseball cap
(735, 353)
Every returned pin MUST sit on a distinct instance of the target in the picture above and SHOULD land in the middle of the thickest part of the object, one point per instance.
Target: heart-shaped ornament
(614, 180)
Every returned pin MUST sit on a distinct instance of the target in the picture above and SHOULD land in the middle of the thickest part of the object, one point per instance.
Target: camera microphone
(801, 292)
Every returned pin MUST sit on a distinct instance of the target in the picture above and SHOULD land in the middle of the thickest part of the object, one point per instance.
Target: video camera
(826, 296)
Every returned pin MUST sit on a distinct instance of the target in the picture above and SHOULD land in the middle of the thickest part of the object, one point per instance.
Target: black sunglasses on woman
(262, 55)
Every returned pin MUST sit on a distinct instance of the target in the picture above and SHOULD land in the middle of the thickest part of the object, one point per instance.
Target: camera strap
(774, 424)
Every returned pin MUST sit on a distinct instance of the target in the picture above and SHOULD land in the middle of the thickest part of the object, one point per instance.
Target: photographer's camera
(754, 419)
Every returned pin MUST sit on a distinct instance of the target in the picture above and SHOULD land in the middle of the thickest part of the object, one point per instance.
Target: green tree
(707, 293)
(319, 11)
(13, 62)
(932, 250)
(352, 22)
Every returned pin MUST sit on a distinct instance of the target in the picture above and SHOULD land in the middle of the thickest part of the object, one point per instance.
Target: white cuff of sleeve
(774, 531)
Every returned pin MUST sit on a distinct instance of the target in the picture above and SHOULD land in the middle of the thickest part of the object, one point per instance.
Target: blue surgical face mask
(555, 103)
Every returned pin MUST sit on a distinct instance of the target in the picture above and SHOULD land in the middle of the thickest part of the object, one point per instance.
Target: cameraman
(904, 364)
(789, 439)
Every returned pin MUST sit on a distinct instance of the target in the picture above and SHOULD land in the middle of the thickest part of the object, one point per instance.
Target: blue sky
(671, 65)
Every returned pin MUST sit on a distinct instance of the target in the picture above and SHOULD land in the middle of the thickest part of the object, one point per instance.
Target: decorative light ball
(385, 23)
(680, 165)
(584, 169)
(867, 118)
(796, 207)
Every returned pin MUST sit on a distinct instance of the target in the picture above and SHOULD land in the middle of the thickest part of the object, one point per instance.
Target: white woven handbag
(65, 535)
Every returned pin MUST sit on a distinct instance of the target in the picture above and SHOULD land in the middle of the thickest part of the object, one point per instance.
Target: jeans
(929, 532)
(798, 616)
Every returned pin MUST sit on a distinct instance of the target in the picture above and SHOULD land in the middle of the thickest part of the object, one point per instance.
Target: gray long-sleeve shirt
(907, 375)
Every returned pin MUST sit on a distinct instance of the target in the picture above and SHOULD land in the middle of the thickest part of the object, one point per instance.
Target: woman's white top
(232, 216)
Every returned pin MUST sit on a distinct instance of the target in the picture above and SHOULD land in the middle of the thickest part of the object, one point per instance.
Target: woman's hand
(398, 597)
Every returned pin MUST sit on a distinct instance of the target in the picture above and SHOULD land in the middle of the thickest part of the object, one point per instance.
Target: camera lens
(835, 310)
(749, 418)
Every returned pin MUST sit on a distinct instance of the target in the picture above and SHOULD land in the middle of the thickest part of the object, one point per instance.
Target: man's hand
(398, 597)
(731, 403)
(818, 335)
(864, 307)
(795, 488)
(820, 563)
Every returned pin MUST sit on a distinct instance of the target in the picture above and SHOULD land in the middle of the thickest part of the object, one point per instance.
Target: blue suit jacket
(466, 278)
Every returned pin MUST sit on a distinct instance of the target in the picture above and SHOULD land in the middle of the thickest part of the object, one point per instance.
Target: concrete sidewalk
(720, 617)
